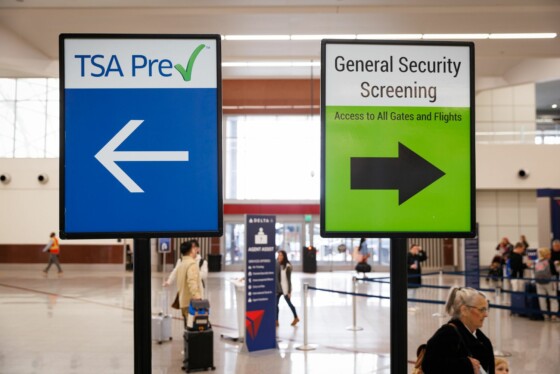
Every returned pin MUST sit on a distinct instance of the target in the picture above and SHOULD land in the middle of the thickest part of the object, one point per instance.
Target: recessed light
(554, 106)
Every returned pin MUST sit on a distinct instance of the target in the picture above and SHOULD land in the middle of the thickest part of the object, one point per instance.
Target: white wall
(505, 213)
(508, 109)
(30, 210)
(507, 204)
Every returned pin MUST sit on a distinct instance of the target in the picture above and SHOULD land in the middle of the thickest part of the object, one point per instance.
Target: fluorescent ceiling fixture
(269, 64)
(257, 37)
(319, 37)
(455, 36)
(542, 35)
(389, 36)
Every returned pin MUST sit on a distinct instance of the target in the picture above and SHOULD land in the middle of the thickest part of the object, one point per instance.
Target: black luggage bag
(532, 302)
(199, 350)
(519, 303)
(363, 267)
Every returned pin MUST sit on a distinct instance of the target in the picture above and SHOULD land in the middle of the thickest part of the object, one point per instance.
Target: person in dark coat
(517, 267)
(414, 257)
(460, 347)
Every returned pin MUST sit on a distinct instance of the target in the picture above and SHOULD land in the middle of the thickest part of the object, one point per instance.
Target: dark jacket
(516, 264)
(446, 354)
(415, 275)
(554, 256)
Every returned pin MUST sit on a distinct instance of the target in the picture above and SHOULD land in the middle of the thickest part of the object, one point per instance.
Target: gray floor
(83, 323)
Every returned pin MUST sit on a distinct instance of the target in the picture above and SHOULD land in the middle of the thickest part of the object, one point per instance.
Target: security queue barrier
(497, 305)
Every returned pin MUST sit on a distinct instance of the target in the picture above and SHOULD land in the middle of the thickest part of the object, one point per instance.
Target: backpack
(542, 272)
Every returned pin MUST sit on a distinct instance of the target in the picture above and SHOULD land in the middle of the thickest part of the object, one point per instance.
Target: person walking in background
(53, 247)
(414, 257)
(188, 278)
(364, 250)
(555, 259)
(284, 279)
(517, 267)
(202, 265)
(504, 248)
(546, 286)
(460, 347)
(361, 255)
(495, 272)
(523, 240)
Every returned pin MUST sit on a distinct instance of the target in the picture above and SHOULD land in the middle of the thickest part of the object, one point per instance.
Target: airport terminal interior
(270, 91)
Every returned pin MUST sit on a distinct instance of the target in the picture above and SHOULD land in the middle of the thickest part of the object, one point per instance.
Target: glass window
(234, 243)
(289, 238)
(29, 117)
(273, 157)
(30, 129)
(7, 128)
(32, 89)
(52, 141)
(7, 89)
(340, 250)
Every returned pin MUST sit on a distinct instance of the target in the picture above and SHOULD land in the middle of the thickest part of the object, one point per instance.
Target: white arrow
(108, 156)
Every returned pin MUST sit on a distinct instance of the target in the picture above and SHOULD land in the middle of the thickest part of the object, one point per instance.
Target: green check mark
(186, 73)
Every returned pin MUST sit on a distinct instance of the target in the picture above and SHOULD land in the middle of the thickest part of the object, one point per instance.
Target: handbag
(176, 304)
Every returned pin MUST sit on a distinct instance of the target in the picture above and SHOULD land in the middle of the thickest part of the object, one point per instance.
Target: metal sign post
(142, 307)
(399, 321)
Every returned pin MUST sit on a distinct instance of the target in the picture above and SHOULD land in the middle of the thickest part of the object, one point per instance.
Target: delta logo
(102, 66)
(253, 321)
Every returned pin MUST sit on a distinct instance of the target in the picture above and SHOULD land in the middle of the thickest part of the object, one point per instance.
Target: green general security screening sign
(397, 121)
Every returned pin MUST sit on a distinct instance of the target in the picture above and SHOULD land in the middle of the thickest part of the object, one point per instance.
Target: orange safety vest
(55, 249)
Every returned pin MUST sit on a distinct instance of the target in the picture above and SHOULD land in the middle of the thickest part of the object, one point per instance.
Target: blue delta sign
(140, 136)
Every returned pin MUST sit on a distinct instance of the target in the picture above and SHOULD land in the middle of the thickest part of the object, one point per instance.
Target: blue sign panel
(140, 136)
(472, 261)
(260, 297)
(164, 245)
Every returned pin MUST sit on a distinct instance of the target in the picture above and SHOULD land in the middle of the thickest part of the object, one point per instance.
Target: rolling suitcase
(532, 302)
(199, 350)
(161, 328)
(518, 304)
(161, 324)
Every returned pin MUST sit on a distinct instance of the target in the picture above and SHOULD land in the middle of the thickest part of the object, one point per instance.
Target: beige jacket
(188, 281)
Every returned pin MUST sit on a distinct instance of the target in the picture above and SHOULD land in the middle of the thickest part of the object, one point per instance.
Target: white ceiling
(29, 30)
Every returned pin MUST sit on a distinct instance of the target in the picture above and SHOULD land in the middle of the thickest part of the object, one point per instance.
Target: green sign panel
(397, 139)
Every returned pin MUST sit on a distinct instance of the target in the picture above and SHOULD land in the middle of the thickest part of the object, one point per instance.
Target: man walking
(54, 250)
(188, 277)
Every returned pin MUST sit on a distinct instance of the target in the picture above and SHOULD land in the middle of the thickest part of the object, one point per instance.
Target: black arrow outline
(409, 173)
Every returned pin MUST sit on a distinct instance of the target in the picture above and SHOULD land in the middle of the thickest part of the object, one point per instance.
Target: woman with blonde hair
(460, 347)
(502, 366)
(546, 285)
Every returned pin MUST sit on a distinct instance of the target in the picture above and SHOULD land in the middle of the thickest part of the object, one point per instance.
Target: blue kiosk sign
(140, 136)
(260, 275)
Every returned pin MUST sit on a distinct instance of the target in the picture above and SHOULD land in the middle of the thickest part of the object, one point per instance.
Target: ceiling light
(455, 36)
(257, 37)
(554, 106)
(547, 35)
(389, 36)
(319, 37)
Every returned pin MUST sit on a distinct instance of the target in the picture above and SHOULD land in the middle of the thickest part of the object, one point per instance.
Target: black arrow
(409, 173)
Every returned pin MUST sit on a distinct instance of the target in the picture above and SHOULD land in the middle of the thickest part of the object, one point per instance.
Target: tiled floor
(83, 323)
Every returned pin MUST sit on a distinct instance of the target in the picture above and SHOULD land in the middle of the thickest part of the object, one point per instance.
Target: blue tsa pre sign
(140, 136)
(260, 276)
